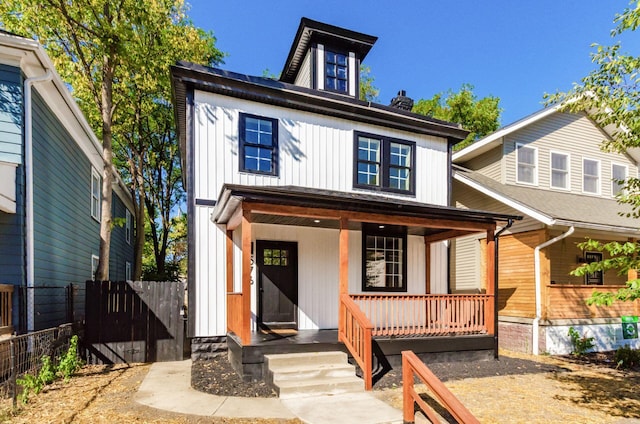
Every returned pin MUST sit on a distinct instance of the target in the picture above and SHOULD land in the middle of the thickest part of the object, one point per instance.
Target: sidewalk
(167, 386)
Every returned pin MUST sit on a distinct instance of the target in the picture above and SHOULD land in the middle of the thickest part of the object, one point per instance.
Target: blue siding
(121, 251)
(65, 234)
(10, 114)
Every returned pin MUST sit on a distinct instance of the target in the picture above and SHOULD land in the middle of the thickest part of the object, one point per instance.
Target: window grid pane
(336, 71)
(559, 170)
(618, 173)
(384, 262)
(368, 161)
(590, 176)
(526, 164)
(259, 145)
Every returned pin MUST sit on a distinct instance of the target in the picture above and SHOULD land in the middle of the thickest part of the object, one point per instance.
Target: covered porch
(379, 286)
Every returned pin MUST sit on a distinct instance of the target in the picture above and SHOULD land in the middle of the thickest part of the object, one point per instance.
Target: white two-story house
(550, 168)
(314, 215)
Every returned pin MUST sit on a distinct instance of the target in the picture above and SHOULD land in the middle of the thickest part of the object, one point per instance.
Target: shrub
(626, 357)
(581, 344)
(70, 362)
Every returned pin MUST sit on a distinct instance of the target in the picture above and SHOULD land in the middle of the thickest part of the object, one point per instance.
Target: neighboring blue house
(49, 153)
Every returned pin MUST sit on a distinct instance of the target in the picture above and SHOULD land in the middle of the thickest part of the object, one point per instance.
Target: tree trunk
(107, 172)
(140, 208)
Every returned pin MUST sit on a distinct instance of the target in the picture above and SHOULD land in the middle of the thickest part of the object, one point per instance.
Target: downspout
(538, 282)
(28, 165)
(496, 238)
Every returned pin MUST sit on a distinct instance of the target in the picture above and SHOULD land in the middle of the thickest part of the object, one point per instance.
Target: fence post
(12, 364)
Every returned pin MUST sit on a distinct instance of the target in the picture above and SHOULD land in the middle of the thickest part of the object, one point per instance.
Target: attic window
(336, 71)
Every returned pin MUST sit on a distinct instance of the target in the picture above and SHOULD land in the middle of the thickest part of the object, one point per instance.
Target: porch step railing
(356, 334)
(426, 315)
(412, 365)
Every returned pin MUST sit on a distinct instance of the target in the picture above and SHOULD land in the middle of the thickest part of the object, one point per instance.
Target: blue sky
(514, 49)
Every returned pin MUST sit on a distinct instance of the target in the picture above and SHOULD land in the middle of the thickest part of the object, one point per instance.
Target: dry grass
(576, 393)
(101, 394)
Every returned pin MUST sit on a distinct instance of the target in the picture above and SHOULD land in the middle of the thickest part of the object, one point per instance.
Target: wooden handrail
(425, 314)
(412, 365)
(356, 334)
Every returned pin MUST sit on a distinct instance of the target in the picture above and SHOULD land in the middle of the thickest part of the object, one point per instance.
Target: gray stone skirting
(204, 348)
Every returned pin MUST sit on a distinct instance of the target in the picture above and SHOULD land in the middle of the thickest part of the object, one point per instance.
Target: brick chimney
(401, 101)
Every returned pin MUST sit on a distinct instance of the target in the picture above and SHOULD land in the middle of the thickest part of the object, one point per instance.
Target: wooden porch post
(246, 280)
(490, 260)
(427, 265)
(229, 262)
(343, 252)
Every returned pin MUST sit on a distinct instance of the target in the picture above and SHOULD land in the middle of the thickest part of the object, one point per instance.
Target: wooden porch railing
(6, 294)
(357, 337)
(568, 301)
(426, 315)
(235, 321)
(412, 365)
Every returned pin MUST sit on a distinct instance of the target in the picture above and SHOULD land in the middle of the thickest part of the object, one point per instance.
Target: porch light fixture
(381, 226)
(317, 221)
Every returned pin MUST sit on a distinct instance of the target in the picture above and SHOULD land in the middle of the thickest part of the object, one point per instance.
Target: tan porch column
(490, 260)
(246, 280)
(343, 252)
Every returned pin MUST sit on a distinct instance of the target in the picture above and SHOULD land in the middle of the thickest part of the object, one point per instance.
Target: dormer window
(336, 71)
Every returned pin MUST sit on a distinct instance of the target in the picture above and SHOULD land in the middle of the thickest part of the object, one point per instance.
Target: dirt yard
(560, 392)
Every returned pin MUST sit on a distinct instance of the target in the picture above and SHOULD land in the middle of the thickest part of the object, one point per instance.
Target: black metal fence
(20, 355)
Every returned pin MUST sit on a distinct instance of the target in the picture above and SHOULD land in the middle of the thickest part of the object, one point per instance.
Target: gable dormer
(326, 57)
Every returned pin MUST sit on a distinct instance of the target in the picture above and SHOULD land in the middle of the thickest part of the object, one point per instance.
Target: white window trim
(127, 271)
(535, 164)
(128, 226)
(557, 152)
(626, 174)
(599, 177)
(93, 271)
(95, 175)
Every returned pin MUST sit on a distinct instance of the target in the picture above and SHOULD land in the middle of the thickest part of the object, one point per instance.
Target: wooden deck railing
(234, 314)
(6, 293)
(357, 337)
(426, 315)
(412, 365)
(569, 301)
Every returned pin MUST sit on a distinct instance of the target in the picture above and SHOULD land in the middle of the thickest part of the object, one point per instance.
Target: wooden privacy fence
(412, 365)
(425, 315)
(137, 321)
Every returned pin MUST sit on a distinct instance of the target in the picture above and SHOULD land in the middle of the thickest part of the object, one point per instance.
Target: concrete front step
(306, 358)
(316, 373)
(298, 372)
(319, 386)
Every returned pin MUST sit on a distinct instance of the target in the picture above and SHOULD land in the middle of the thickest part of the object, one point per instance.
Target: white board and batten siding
(566, 133)
(314, 151)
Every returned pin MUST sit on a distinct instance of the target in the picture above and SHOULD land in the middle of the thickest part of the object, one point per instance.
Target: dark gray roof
(358, 202)
(565, 208)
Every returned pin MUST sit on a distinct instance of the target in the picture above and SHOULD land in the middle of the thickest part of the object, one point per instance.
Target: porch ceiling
(324, 209)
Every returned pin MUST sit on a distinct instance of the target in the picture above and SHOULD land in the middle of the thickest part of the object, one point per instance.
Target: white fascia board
(537, 215)
(632, 232)
(495, 138)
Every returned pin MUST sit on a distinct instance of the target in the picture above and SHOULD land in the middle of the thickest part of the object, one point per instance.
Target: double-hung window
(384, 253)
(384, 164)
(559, 170)
(95, 194)
(95, 260)
(619, 174)
(591, 176)
(527, 164)
(336, 71)
(258, 144)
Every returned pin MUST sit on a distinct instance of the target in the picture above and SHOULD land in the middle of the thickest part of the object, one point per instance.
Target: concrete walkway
(167, 386)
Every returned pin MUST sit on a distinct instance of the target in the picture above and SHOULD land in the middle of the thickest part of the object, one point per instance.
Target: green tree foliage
(116, 57)
(479, 116)
(368, 92)
(610, 94)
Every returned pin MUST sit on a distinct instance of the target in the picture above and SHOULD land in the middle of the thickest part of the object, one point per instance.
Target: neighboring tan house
(548, 167)
(312, 211)
(50, 192)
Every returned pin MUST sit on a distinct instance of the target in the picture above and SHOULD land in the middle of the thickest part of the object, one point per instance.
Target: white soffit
(8, 187)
